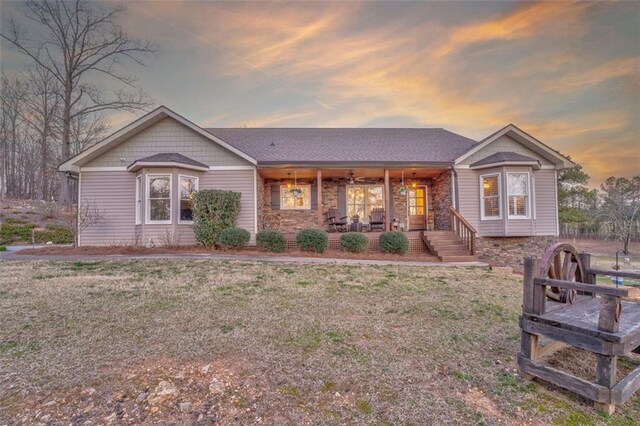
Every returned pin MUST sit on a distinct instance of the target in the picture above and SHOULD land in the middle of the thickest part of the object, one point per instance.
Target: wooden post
(319, 197)
(607, 364)
(387, 201)
(589, 278)
(529, 342)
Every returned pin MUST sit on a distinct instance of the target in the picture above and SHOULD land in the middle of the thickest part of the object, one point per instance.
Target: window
(361, 200)
(291, 201)
(188, 186)
(490, 201)
(139, 200)
(158, 198)
(518, 195)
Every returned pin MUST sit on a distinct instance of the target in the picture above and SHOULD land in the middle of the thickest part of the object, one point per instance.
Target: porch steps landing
(447, 246)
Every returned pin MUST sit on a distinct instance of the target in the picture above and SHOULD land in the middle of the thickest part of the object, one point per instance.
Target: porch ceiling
(309, 173)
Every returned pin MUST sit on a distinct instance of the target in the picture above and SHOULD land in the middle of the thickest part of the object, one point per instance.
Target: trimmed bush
(271, 240)
(213, 211)
(313, 239)
(354, 242)
(233, 238)
(394, 242)
(3, 248)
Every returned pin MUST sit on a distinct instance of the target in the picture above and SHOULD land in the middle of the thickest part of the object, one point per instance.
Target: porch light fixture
(351, 179)
(295, 190)
(414, 183)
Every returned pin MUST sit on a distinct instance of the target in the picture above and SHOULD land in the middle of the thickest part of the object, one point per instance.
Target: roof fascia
(525, 139)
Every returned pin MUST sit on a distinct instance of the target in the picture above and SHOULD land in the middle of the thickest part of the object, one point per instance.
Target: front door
(417, 204)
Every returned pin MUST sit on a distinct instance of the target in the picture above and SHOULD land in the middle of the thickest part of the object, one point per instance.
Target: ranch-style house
(461, 199)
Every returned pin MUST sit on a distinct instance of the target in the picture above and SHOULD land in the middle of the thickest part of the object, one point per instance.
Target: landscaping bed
(226, 342)
(246, 251)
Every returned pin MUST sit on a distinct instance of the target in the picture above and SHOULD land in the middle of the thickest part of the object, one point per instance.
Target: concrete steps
(447, 246)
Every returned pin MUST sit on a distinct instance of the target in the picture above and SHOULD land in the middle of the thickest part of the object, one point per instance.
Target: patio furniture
(356, 225)
(336, 223)
(376, 220)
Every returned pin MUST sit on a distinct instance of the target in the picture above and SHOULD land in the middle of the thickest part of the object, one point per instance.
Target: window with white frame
(159, 199)
(295, 198)
(518, 195)
(490, 199)
(188, 187)
(138, 199)
(362, 199)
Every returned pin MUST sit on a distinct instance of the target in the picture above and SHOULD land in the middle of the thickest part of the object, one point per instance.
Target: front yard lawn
(247, 343)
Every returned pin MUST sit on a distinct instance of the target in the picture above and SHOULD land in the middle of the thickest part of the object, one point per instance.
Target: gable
(167, 135)
(504, 143)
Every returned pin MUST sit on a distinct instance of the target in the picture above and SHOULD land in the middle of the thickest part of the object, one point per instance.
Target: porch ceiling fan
(353, 179)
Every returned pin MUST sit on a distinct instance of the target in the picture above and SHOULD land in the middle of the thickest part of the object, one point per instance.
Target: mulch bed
(249, 251)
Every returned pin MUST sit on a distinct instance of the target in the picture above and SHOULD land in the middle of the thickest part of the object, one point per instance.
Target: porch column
(387, 201)
(319, 197)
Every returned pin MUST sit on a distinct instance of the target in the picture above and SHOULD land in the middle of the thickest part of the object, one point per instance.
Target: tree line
(79, 60)
(612, 211)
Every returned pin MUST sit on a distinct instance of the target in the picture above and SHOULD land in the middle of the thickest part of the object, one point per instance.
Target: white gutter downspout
(454, 182)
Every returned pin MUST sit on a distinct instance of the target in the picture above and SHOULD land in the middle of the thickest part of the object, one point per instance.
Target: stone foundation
(511, 251)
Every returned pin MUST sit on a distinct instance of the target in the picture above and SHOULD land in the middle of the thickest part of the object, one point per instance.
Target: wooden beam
(567, 381)
(319, 197)
(610, 291)
(387, 201)
(606, 376)
(626, 387)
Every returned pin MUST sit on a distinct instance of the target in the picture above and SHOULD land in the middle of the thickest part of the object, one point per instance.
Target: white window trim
(528, 215)
(138, 218)
(285, 188)
(148, 220)
(368, 185)
(482, 216)
(180, 221)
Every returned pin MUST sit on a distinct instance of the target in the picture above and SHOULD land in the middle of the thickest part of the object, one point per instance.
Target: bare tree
(13, 91)
(87, 215)
(620, 208)
(80, 42)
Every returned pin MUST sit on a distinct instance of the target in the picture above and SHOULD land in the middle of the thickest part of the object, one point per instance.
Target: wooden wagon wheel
(561, 262)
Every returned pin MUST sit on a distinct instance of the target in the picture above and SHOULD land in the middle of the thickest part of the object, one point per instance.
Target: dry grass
(292, 343)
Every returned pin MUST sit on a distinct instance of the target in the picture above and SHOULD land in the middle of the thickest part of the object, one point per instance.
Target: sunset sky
(568, 73)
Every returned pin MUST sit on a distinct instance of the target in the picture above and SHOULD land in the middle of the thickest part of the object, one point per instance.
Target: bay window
(491, 197)
(158, 199)
(298, 198)
(362, 199)
(188, 186)
(518, 195)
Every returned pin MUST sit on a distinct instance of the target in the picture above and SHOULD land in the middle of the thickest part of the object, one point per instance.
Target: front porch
(412, 199)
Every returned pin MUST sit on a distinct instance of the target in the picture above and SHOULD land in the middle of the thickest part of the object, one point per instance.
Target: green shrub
(233, 238)
(12, 232)
(3, 248)
(213, 211)
(394, 242)
(271, 240)
(57, 234)
(354, 242)
(313, 239)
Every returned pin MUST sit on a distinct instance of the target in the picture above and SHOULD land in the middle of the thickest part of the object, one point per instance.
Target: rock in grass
(165, 391)
(184, 406)
(216, 387)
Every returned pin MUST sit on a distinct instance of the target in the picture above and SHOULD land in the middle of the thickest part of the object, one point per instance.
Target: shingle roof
(345, 145)
(501, 157)
(170, 157)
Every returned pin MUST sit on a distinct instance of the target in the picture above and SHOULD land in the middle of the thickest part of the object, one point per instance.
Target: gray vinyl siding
(168, 136)
(243, 181)
(113, 193)
(544, 205)
(504, 144)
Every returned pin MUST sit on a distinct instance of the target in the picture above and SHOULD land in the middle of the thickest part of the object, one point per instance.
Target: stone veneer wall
(294, 220)
(441, 192)
(511, 251)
